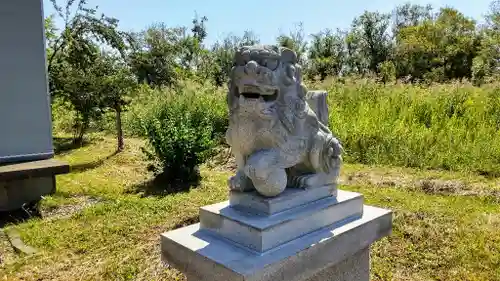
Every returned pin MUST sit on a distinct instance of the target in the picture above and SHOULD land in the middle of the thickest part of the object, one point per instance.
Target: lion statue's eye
(271, 63)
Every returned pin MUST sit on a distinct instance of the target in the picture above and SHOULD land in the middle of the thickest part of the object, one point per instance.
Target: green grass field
(431, 154)
(105, 220)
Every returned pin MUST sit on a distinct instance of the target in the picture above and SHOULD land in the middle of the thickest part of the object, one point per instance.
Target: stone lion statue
(277, 129)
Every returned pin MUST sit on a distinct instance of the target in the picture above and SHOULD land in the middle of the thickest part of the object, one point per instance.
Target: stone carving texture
(277, 129)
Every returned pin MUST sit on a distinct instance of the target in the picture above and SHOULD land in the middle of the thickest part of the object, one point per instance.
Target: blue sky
(266, 18)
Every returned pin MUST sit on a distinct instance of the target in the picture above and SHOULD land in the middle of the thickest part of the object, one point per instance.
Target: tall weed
(454, 126)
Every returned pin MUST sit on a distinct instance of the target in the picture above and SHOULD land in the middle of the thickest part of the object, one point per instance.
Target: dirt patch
(371, 178)
(7, 252)
(66, 210)
(455, 187)
(436, 186)
(428, 185)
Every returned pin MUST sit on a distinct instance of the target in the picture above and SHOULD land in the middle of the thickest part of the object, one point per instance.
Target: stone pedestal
(316, 234)
(26, 182)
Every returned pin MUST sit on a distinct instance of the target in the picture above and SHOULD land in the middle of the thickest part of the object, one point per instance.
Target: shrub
(182, 132)
(142, 107)
(387, 71)
(63, 116)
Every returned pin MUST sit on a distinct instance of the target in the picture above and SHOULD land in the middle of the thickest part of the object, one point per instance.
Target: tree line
(94, 66)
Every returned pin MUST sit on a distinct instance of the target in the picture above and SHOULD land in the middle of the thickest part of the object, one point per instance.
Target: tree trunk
(119, 130)
(81, 127)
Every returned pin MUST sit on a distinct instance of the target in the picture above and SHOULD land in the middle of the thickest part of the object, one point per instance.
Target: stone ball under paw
(274, 185)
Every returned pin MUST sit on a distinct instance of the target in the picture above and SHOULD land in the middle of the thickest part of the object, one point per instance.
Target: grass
(438, 235)
(448, 127)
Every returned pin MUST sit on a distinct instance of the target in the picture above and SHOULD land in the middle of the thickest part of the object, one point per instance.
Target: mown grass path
(105, 220)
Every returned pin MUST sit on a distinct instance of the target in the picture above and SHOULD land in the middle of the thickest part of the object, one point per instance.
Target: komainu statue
(277, 129)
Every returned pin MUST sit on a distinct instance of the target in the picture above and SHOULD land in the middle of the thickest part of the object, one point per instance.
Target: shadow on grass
(20, 215)
(186, 222)
(489, 174)
(163, 186)
(80, 168)
(63, 144)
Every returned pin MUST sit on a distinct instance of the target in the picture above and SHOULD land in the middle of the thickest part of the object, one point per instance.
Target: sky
(266, 18)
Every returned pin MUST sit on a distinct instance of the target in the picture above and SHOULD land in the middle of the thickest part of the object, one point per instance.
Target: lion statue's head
(265, 81)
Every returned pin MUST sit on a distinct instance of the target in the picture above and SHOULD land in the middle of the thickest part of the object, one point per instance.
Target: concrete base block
(338, 252)
(356, 267)
(262, 233)
(15, 193)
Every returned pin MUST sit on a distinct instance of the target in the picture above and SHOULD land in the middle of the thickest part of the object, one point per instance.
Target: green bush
(141, 108)
(63, 116)
(183, 130)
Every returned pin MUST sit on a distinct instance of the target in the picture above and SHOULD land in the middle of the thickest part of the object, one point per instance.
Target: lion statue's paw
(312, 180)
(240, 182)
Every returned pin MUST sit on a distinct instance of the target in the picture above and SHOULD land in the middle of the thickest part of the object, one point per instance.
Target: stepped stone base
(326, 239)
(264, 233)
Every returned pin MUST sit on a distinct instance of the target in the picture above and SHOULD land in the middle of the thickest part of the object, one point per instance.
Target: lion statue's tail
(318, 103)
(329, 158)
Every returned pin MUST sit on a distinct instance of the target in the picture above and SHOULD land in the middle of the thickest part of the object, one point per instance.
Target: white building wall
(25, 119)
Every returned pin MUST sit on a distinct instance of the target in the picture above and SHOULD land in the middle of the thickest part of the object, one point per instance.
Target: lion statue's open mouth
(262, 94)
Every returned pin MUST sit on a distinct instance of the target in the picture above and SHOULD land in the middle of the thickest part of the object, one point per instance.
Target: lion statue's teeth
(277, 130)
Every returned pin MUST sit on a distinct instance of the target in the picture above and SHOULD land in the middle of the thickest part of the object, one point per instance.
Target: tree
(50, 28)
(115, 86)
(487, 62)
(191, 46)
(155, 58)
(439, 49)
(355, 60)
(79, 86)
(163, 55)
(218, 62)
(222, 60)
(387, 71)
(326, 54)
(295, 41)
(82, 29)
(73, 56)
(408, 14)
(371, 29)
